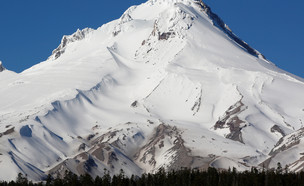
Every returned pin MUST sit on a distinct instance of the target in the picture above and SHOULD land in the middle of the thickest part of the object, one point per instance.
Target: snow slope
(166, 85)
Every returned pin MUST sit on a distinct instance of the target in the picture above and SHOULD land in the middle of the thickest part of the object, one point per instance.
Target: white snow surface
(181, 70)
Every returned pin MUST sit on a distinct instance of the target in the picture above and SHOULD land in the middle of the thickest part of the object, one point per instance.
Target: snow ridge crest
(171, 1)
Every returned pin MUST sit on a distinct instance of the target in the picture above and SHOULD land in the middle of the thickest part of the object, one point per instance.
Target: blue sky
(31, 29)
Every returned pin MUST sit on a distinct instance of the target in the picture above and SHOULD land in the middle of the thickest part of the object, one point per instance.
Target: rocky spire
(1, 67)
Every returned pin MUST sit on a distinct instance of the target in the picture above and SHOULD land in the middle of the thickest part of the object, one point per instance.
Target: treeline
(185, 177)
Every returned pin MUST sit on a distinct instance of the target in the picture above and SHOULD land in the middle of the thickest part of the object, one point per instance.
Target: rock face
(167, 85)
(175, 156)
(1, 67)
(108, 152)
(288, 151)
(230, 120)
(67, 39)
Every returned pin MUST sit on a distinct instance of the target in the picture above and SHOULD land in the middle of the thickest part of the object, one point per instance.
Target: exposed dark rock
(91, 136)
(105, 138)
(115, 33)
(9, 131)
(276, 128)
(161, 145)
(293, 140)
(181, 155)
(79, 165)
(1, 67)
(78, 35)
(104, 151)
(60, 170)
(82, 147)
(165, 35)
(149, 149)
(231, 120)
(99, 151)
(134, 104)
(286, 143)
(197, 105)
(126, 17)
(235, 129)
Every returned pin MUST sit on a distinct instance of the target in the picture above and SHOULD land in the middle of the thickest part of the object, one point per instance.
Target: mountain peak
(168, 85)
(214, 18)
(172, 1)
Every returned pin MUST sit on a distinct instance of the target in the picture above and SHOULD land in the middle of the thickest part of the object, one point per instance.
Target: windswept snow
(166, 83)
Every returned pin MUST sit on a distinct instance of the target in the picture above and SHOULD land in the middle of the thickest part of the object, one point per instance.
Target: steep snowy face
(166, 85)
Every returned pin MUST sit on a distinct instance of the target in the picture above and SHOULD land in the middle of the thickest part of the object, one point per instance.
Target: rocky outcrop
(77, 36)
(110, 152)
(1, 67)
(278, 129)
(8, 131)
(167, 143)
(105, 152)
(165, 35)
(292, 142)
(126, 17)
(288, 142)
(232, 121)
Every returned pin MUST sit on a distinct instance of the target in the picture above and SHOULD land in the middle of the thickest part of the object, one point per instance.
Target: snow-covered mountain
(166, 85)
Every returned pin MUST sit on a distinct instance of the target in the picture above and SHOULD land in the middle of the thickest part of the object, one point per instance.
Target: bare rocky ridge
(104, 153)
(181, 156)
(77, 36)
(292, 142)
(288, 142)
(108, 151)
